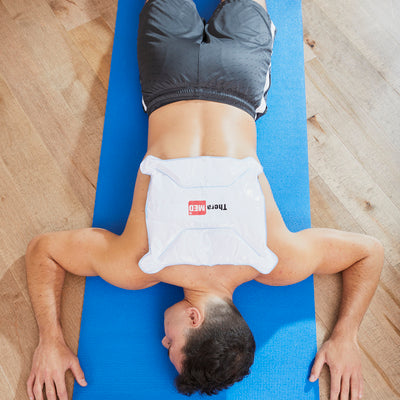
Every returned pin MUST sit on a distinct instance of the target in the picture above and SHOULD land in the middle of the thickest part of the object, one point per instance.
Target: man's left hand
(342, 355)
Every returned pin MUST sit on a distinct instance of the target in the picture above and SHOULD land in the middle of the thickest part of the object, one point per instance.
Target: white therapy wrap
(205, 210)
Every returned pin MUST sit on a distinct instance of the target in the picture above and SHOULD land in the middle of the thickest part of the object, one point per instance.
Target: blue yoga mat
(120, 339)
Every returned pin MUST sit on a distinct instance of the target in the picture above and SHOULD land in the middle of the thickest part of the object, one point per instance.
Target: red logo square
(197, 207)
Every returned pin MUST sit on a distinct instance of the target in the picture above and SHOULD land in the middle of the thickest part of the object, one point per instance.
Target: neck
(221, 280)
(199, 297)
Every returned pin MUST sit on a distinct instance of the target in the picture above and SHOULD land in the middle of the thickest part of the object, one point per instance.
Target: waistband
(199, 93)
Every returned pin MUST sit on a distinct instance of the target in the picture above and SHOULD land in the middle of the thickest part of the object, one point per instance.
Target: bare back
(201, 128)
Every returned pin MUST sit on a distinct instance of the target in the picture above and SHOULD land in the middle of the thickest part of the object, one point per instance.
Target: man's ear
(196, 318)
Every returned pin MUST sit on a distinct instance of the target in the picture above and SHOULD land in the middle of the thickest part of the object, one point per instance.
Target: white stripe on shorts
(144, 105)
(262, 106)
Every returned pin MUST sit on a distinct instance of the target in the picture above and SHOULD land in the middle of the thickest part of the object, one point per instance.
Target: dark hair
(218, 353)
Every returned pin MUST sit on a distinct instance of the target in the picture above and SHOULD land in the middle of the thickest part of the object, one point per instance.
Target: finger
(344, 392)
(29, 386)
(335, 385)
(38, 389)
(360, 386)
(61, 389)
(50, 389)
(78, 373)
(317, 367)
(354, 387)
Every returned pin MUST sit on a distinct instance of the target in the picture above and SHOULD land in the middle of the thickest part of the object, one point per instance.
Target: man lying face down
(202, 111)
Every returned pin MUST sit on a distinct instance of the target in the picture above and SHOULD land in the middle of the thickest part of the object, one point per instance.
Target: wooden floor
(54, 67)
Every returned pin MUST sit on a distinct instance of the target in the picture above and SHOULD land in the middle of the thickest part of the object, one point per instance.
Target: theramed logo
(199, 207)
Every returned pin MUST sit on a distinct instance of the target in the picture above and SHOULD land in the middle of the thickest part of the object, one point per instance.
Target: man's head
(211, 346)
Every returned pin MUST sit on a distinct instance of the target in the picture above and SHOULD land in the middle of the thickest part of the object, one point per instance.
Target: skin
(178, 319)
(187, 129)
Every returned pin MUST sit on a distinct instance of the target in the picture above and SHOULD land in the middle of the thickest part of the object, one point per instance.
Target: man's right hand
(52, 358)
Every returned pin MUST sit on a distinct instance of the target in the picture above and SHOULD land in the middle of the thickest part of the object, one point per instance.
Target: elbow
(38, 245)
(377, 248)
(377, 252)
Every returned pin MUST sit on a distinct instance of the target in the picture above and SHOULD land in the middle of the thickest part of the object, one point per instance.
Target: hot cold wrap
(205, 210)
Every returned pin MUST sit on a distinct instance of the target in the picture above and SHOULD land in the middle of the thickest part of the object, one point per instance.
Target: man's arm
(360, 259)
(360, 280)
(84, 252)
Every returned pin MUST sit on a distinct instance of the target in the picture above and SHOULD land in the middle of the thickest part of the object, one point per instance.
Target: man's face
(176, 323)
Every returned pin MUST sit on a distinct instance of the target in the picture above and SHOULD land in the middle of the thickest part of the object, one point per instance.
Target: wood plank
(370, 96)
(73, 13)
(356, 130)
(308, 53)
(327, 210)
(366, 34)
(95, 40)
(62, 66)
(361, 196)
(18, 7)
(48, 197)
(17, 226)
(49, 112)
(386, 14)
(18, 333)
(6, 390)
(108, 10)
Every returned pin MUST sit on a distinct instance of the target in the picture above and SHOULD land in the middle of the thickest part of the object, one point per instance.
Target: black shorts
(228, 59)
